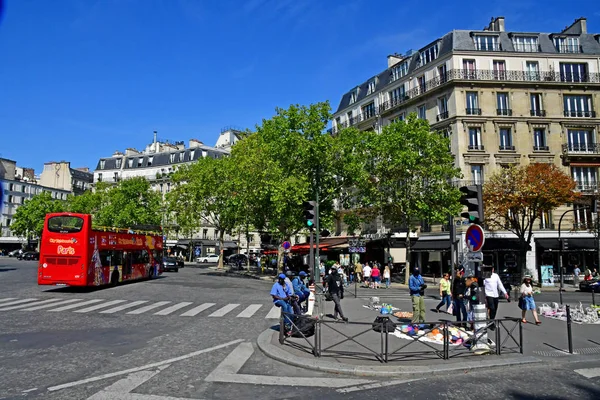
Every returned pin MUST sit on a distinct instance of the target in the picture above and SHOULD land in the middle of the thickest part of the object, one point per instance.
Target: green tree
(409, 177)
(130, 202)
(28, 221)
(87, 203)
(516, 197)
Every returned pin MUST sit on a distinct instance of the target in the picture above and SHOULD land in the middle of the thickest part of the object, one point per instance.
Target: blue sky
(80, 79)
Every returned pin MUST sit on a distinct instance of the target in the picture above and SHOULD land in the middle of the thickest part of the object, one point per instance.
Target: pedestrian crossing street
(160, 308)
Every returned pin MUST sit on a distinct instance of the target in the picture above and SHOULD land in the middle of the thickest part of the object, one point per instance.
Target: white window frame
(428, 55)
(472, 100)
(475, 137)
(536, 101)
(567, 44)
(486, 42)
(573, 72)
(505, 136)
(577, 103)
(539, 139)
(503, 101)
(442, 104)
(422, 111)
(371, 87)
(526, 44)
(586, 178)
(477, 174)
(399, 70)
(580, 140)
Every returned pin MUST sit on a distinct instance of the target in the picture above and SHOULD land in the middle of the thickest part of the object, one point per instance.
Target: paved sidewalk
(542, 343)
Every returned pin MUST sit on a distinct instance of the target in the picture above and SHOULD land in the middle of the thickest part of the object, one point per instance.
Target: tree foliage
(517, 196)
(28, 220)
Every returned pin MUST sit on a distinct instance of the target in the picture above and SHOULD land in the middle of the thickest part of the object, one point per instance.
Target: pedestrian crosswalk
(137, 307)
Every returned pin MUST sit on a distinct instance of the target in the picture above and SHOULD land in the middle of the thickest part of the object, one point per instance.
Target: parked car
(235, 259)
(170, 264)
(29, 255)
(15, 253)
(211, 258)
(588, 286)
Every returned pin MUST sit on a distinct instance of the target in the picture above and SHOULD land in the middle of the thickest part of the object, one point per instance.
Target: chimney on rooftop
(578, 27)
(496, 25)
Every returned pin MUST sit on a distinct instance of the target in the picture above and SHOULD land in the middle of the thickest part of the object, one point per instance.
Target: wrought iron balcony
(504, 111)
(580, 114)
(481, 75)
(586, 187)
(585, 148)
(473, 111)
(488, 47)
(541, 148)
(442, 116)
(546, 226)
(478, 147)
(365, 115)
(526, 47)
(506, 148)
(538, 113)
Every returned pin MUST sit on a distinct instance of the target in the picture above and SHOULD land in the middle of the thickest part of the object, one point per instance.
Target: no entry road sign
(475, 237)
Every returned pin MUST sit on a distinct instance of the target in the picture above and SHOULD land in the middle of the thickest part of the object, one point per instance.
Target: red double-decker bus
(75, 254)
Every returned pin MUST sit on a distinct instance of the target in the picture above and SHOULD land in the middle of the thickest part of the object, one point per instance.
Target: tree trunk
(407, 263)
(280, 258)
(221, 245)
(248, 247)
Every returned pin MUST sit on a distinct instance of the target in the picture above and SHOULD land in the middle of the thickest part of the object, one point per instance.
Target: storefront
(579, 251)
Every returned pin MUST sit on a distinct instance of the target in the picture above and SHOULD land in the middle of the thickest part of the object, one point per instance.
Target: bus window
(65, 224)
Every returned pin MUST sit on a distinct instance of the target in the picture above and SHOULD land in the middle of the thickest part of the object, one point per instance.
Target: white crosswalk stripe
(99, 306)
(274, 313)
(173, 308)
(72, 306)
(149, 307)
(123, 307)
(50, 305)
(589, 372)
(197, 310)
(29, 304)
(11, 303)
(224, 310)
(249, 311)
(7, 299)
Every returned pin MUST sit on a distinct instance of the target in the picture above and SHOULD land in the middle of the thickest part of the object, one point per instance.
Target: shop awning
(431, 245)
(504, 244)
(573, 243)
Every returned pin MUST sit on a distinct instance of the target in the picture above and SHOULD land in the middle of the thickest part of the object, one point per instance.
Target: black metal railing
(546, 226)
(580, 114)
(473, 111)
(538, 113)
(344, 339)
(442, 116)
(584, 148)
(488, 47)
(586, 187)
(365, 116)
(476, 147)
(504, 111)
(541, 148)
(527, 47)
(506, 147)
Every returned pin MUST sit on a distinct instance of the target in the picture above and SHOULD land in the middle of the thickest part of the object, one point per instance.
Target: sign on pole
(475, 256)
(286, 245)
(475, 237)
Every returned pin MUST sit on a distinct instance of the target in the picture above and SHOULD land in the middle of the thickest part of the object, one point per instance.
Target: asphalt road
(192, 335)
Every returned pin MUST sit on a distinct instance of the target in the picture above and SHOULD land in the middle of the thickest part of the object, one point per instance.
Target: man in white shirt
(367, 274)
(492, 284)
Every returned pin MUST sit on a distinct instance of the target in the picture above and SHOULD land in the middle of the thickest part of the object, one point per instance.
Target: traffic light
(310, 208)
(473, 199)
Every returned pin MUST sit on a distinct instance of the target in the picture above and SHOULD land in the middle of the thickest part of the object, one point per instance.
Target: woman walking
(386, 275)
(444, 292)
(526, 302)
(376, 277)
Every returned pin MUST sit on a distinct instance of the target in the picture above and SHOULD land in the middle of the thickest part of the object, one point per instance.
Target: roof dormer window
(567, 44)
(119, 162)
(486, 43)
(102, 164)
(150, 159)
(428, 55)
(130, 162)
(371, 87)
(399, 70)
(181, 156)
(353, 96)
(140, 161)
(526, 44)
(172, 158)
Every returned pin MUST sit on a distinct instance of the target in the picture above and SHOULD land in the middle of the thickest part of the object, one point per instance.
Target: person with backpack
(335, 287)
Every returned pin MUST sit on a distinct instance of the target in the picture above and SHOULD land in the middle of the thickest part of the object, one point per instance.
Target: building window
(428, 55)
(182, 156)
(193, 153)
(580, 140)
(150, 159)
(422, 112)
(130, 162)
(486, 43)
(443, 73)
(172, 157)
(578, 106)
(539, 139)
(11, 187)
(442, 108)
(10, 198)
(477, 174)
(532, 71)
(399, 70)
(537, 108)
(397, 95)
(100, 177)
(118, 162)
(527, 44)
(350, 118)
(573, 72)
(140, 161)
(506, 139)
(400, 117)
(371, 87)
(546, 220)
(582, 217)
(469, 69)
(204, 233)
(585, 178)
(567, 45)
(473, 104)
(499, 68)
(421, 84)
(368, 111)
(475, 139)
(102, 164)
(503, 106)
(353, 96)
(116, 176)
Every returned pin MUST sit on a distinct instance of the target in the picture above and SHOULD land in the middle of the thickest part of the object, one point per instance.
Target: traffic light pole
(317, 258)
(311, 258)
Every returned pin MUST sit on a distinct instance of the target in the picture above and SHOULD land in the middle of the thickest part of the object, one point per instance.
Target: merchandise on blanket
(374, 301)
(386, 309)
(456, 336)
(403, 314)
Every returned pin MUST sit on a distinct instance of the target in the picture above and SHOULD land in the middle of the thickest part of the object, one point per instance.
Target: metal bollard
(481, 345)
(593, 297)
(560, 295)
(569, 333)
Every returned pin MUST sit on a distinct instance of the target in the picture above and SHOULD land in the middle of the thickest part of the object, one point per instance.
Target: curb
(277, 353)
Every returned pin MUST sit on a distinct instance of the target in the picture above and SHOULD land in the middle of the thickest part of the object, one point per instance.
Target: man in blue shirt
(417, 286)
(300, 288)
(282, 296)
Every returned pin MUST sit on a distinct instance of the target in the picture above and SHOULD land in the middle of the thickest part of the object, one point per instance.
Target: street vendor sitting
(300, 288)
